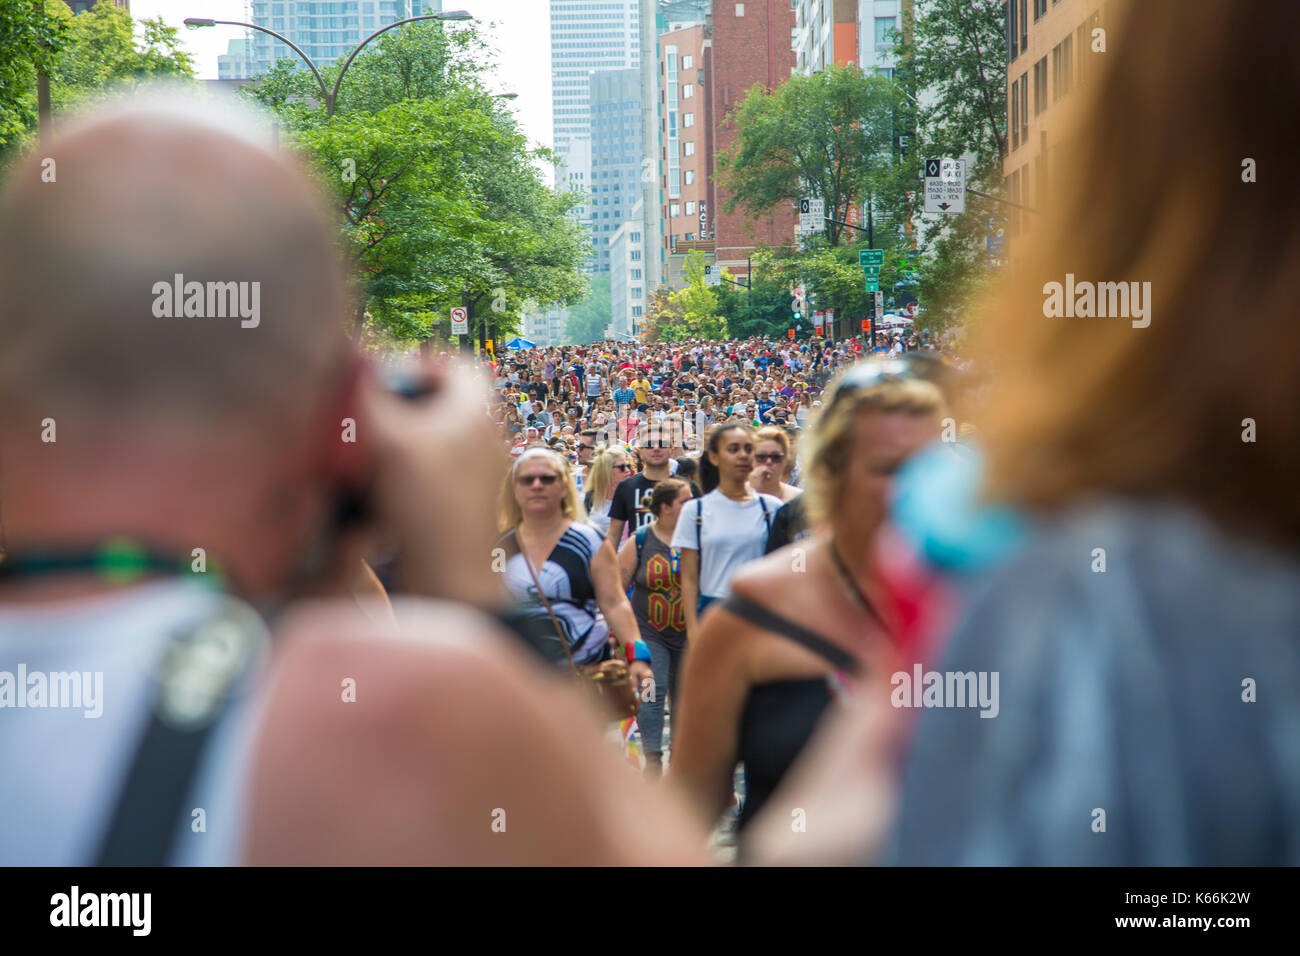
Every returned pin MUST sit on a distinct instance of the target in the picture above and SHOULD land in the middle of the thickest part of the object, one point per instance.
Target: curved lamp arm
(320, 80)
(460, 15)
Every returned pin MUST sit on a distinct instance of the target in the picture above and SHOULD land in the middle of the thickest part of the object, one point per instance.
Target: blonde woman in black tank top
(760, 673)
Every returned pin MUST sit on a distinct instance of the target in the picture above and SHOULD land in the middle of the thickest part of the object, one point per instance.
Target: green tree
(759, 308)
(589, 319)
(663, 314)
(30, 37)
(84, 56)
(700, 316)
(440, 198)
(828, 134)
(955, 51)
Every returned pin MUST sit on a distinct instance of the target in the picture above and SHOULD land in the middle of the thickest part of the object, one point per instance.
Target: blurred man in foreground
(165, 463)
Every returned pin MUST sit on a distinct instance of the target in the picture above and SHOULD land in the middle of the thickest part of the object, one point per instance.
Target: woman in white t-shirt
(725, 529)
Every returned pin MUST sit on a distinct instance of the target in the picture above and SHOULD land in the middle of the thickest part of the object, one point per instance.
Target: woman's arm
(715, 685)
(611, 598)
(626, 557)
(689, 574)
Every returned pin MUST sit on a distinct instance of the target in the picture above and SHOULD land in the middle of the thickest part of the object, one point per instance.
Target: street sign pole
(466, 343)
(871, 262)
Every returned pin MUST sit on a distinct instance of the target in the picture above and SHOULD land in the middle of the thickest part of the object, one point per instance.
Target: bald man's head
(95, 230)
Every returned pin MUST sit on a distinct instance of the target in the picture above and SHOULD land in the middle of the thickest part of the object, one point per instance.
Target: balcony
(684, 246)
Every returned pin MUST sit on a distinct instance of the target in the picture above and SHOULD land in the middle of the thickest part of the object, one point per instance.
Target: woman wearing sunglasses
(771, 459)
(549, 546)
(799, 623)
(608, 470)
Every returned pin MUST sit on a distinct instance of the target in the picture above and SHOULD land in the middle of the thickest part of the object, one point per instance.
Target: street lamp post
(330, 96)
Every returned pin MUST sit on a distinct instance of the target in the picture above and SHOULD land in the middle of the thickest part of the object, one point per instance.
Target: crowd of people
(694, 457)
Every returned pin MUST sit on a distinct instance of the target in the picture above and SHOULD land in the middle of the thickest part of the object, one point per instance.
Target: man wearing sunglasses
(632, 496)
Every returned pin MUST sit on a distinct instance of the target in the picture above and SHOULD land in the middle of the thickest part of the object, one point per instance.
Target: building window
(1040, 7)
(636, 292)
(636, 311)
(1013, 124)
(688, 61)
(688, 149)
(635, 255)
(690, 177)
(675, 210)
(635, 237)
(634, 274)
(688, 91)
(740, 9)
(1013, 191)
(1024, 26)
(1013, 35)
(690, 209)
(883, 26)
(1024, 108)
(1040, 86)
(688, 120)
(1062, 68)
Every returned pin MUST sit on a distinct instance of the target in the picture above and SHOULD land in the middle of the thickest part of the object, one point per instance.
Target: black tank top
(779, 717)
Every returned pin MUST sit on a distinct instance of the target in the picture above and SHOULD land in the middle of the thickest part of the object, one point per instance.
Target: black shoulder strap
(771, 621)
(766, 520)
(699, 529)
(200, 668)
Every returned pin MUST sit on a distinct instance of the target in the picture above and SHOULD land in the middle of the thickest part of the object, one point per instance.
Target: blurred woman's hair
(827, 444)
(665, 493)
(600, 479)
(1156, 184)
(509, 514)
(709, 476)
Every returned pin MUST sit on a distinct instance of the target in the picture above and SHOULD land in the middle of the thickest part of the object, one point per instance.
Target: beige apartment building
(1053, 48)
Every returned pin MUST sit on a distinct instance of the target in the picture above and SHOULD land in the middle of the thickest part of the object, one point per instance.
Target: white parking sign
(945, 186)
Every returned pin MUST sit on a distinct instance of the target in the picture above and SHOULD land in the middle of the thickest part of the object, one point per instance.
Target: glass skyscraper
(324, 29)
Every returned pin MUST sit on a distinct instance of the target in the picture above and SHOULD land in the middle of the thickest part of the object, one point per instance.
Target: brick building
(686, 132)
(752, 43)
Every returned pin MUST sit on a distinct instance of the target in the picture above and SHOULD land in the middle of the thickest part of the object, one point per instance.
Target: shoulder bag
(610, 680)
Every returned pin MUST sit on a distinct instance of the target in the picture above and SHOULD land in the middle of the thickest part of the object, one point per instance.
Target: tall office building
(627, 282)
(587, 36)
(687, 136)
(237, 62)
(847, 31)
(615, 156)
(753, 42)
(325, 29)
(1050, 53)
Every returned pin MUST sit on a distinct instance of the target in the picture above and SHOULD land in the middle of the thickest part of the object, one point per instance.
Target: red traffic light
(790, 332)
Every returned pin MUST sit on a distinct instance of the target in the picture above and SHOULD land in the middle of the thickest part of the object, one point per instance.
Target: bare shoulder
(429, 739)
(773, 573)
(371, 727)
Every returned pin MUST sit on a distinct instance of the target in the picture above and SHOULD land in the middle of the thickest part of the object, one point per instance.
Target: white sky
(518, 30)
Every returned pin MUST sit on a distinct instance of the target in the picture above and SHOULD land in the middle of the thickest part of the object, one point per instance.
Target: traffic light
(790, 332)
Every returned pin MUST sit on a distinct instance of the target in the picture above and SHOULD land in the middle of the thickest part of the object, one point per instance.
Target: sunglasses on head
(547, 479)
(867, 375)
